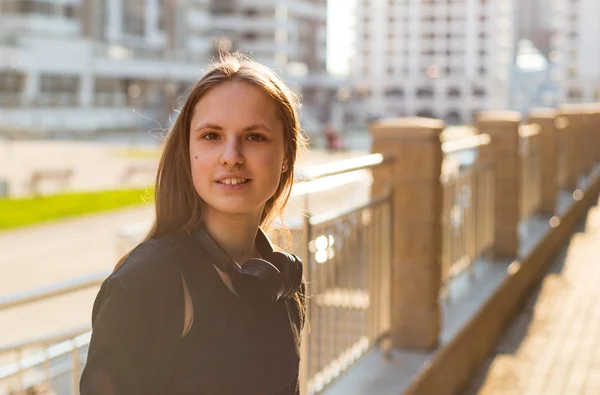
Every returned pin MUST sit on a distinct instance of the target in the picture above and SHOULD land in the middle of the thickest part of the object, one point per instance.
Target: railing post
(503, 128)
(417, 229)
(549, 159)
(571, 121)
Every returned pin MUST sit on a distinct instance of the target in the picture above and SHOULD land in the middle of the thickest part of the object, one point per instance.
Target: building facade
(446, 59)
(92, 65)
(575, 50)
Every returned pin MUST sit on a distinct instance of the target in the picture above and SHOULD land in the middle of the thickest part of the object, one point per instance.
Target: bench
(61, 176)
(136, 169)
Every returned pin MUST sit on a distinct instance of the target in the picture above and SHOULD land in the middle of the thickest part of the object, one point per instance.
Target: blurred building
(86, 65)
(531, 81)
(287, 35)
(444, 59)
(534, 21)
(575, 50)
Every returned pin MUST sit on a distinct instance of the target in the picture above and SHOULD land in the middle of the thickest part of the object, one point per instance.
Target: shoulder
(148, 282)
(150, 268)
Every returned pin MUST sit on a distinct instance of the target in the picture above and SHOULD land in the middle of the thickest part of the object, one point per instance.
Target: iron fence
(467, 210)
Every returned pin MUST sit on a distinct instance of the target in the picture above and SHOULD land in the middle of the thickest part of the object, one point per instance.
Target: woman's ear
(285, 166)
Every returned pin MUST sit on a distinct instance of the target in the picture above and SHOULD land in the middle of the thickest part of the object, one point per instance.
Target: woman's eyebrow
(208, 126)
(250, 128)
(256, 127)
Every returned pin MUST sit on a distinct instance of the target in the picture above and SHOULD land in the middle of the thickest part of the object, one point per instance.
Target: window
(134, 17)
(453, 117)
(424, 92)
(61, 90)
(221, 6)
(109, 92)
(11, 82)
(575, 93)
(250, 12)
(426, 113)
(454, 92)
(250, 36)
(478, 91)
(394, 92)
(70, 11)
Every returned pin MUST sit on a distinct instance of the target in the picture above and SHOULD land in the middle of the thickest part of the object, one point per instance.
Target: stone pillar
(596, 133)
(584, 141)
(571, 120)
(591, 139)
(417, 239)
(549, 158)
(503, 128)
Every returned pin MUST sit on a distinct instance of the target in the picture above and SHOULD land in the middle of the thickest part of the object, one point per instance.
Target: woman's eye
(256, 137)
(210, 136)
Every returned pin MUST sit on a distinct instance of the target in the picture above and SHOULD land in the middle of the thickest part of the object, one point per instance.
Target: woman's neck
(236, 235)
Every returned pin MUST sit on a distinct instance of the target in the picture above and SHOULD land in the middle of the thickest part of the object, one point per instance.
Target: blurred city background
(89, 88)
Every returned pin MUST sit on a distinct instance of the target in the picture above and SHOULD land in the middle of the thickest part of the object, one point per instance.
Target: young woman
(204, 305)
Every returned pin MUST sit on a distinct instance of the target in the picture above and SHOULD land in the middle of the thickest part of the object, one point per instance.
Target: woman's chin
(237, 209)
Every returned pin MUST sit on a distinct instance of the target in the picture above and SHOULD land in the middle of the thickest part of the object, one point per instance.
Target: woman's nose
(232, 153)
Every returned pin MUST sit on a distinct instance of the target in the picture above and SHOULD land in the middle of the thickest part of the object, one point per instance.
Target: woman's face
(236, 149)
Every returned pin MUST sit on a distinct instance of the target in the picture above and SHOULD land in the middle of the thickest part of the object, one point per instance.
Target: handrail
(329, 169)
(529, 130)
(55, 337)
(451, 133)
(465, 143)
(53, 290)
(55, 346)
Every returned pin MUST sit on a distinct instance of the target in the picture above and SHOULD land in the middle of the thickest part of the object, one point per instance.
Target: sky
(339, 35)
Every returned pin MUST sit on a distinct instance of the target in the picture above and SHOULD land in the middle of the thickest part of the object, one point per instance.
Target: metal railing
(54, 290)
(348, 274)
(347, 257)
(43, 361)
(531, 161)
(467, 210)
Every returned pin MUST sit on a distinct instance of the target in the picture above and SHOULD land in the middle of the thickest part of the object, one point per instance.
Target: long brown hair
(178, 208)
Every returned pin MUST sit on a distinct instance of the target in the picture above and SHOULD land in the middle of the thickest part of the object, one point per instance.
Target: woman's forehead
(236, 102)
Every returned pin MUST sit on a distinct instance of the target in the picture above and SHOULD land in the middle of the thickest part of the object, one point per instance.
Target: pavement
(552, 347)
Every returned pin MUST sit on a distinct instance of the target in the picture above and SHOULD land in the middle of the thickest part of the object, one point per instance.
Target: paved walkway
(552, 347)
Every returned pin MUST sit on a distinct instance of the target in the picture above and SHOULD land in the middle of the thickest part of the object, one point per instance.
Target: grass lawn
(29, 211)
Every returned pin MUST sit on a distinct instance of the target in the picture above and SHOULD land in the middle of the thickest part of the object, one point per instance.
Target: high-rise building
(534, 23)
(287, 35)
(83, 65)
(446, 59)
(575, 50)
